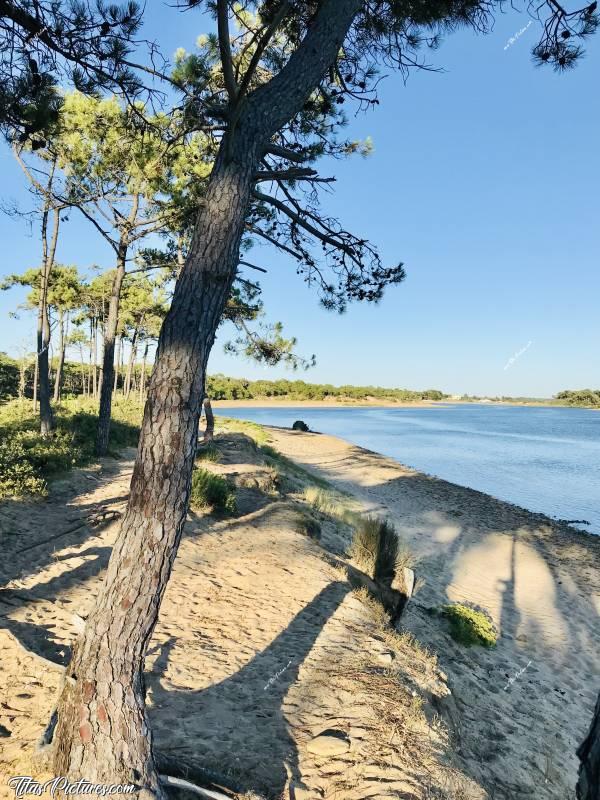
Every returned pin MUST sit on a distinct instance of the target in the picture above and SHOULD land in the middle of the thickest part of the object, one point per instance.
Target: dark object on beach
(588, 786)
(300, 426)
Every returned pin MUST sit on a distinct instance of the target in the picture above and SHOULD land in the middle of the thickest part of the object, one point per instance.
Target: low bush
(212, 491)
(469, 626)
(28, 461)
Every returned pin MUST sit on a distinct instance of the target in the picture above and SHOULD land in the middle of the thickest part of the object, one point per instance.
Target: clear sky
(484, 181)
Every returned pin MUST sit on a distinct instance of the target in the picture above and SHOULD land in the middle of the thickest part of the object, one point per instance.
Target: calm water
(544, 459)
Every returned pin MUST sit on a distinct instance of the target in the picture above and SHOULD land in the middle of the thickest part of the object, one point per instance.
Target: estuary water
(544, 459)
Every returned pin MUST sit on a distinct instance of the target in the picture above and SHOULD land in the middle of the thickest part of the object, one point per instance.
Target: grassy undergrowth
(212, 491)
(28, 461)
(251, 429)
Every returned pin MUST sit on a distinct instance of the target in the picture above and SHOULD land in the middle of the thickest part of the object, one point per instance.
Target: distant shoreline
(274, 402)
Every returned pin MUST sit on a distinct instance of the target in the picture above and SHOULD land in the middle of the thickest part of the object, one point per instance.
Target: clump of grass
(329, 502)
(469, 626)
(308, 526)
(212, 491)
(377, 550)
(207, 452)
(379, 616)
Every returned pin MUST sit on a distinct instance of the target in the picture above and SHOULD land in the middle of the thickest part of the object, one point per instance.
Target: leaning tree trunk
(108, 357)
(101, 730)
(209, 431)
(588, 786)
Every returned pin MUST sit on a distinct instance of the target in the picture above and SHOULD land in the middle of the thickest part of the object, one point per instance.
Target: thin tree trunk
(131, 362)
(209, 431)
(95, 356)
(22, 373)
(35, 384)
(143, 374)
(118, 363)
(588, 786)
(61, 357)
(43, 326)
(82, 370)
(101, 731)
(108, 356)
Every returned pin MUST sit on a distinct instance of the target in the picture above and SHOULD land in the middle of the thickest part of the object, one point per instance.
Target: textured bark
(209, 431)
(101, 730)
(588, 786)
(108, 354)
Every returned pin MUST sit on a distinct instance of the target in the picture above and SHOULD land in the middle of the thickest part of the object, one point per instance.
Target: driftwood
(588, 786)
(179, 783)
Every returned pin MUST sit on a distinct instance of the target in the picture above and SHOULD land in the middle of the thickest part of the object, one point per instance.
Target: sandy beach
(261, 644)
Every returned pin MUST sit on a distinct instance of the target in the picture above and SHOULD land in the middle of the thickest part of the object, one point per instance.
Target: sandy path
(539, 580)
(260, 646)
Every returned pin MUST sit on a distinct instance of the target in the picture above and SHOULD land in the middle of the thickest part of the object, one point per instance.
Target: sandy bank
(540, 582)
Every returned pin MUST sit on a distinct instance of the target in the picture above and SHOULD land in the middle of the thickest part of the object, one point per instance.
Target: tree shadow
(238, 725)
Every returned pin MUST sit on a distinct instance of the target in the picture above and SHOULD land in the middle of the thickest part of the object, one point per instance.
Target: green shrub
(212, 491)
(18, 476)
(469, 626)
(27, 460)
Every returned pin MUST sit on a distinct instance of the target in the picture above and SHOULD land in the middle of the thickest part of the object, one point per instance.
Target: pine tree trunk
(43, 327)
(61, 357)
(108, 357)
(143, 374)
(131, 362)
(101, 731)
(43, 342)
(209, 431)
(95, 356)
(588, 787)
(118, 363)
(35, 384)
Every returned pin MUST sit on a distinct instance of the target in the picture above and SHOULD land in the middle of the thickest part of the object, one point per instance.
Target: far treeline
(17, 380)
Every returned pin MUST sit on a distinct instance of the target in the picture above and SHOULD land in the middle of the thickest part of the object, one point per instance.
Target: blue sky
(483, 181)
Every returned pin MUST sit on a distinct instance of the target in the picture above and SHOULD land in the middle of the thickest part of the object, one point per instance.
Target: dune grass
(212, 491)
(377, 550)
